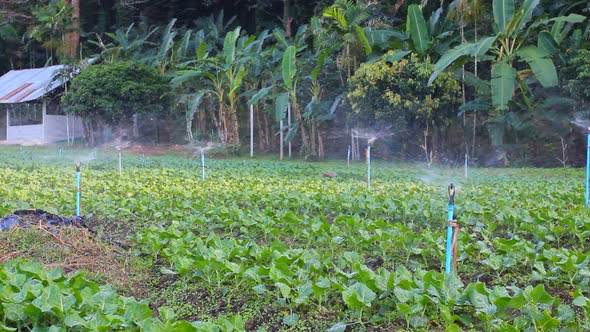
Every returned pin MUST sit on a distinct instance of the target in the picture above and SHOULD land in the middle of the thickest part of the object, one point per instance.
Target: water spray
(78, 189)
(348, 157)
(202, 163)
(120, 164)
(587, 165)
(465, 166)
(452, 231)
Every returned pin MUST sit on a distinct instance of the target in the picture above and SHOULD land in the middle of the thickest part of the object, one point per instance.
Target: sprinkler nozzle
(451, 194)
(78, 167)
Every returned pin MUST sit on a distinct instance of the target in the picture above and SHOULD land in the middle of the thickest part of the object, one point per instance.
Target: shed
(29, 107)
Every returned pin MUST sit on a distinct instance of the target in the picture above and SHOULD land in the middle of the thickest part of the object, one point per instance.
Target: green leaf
(281, 105)
(259, 95)
(450, 56)
(289, 69)
(165, 270)
(321, 58)
(362, 38)
(395, 57)
(358, 296)
(475, 105)
(571, 18)
(381, 37)
(540, 295)
(338, 327)
(478, 296)
(503, 13)
(73, 319)
(260, 289)
(337, 14)
(522, 17)
(229, 46)
(167, 313)
(565, 314)
(481, 47)
(167, 40)
(6, 328)
(291, 319)
(576, 40)
(542, 66)
(14, 312)
(502, 84)
(137, 312)
(546, 42)
(202, 50)
(580, 301)
(416, 27)
(284, 289)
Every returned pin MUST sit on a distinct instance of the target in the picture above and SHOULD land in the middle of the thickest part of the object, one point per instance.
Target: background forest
(493, 82)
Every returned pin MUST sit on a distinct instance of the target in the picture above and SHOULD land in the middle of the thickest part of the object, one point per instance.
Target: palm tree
(345, 17)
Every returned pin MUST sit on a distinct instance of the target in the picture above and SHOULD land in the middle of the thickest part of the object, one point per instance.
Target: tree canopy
(112, 93)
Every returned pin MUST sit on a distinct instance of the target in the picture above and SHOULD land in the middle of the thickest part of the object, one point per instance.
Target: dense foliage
(295, 250)
(292, 61)
(112, 93)
(384, 93)
(579, 85)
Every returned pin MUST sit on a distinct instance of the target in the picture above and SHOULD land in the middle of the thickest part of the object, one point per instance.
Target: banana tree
(259, 82)
(507, 51)
(285, 89)
(123, 44)
(509, 48)
(222, 77)
(422, 37)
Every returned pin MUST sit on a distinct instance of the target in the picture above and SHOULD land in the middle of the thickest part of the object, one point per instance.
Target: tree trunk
(270, 138)
(73, 37)
(262, 139)
(304, 138)
(312, 141)
(233, 127)
(321, 152)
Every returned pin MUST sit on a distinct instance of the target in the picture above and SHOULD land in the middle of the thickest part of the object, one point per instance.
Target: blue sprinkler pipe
(587, 166)
(369, 167)
(449, 253)
(77, 189)
(202, 164)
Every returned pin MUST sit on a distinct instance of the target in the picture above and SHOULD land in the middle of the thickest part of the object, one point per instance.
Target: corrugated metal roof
(18, 86)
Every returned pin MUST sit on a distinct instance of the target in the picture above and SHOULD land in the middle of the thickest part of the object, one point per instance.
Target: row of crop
(35, 299)
(162, 195)
(155, 195)
(310, 277)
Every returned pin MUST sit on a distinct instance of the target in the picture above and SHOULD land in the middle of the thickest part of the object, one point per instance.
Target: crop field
(262, 245)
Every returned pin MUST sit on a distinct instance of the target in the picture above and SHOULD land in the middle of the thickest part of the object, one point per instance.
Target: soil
(180, 150)
(72, 248)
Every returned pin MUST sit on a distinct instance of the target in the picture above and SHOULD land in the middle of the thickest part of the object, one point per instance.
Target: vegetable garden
(266, 245)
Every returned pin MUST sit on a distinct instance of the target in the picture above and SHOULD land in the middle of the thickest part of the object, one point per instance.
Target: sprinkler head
(78, 167)
(451, 194)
